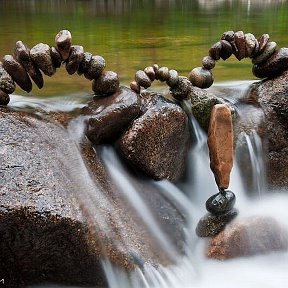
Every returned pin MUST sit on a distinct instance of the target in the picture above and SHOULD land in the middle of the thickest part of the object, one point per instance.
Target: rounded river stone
(201, 77)
(142, 79)
(150, 73)
(215, 51)
(63, 41)
(6, 82)
(173, 78)
(106, 84)
(221, 202)
(75, 58)
(56, 57)
(84, 65)
(182, 89)
(208, 62)
(266, 53)
(96, 65)
(4, 98)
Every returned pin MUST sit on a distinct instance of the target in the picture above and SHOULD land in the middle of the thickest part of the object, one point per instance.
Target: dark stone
(142, 79)
(150, 73)
(157, 142)
(173, 78)
(263, 41)
(135, 87)
(63, 42)
(75, 58)
(211, 225)
(246, 237)
(250, 44)
(226, 50)
(156, 68)
(182, 89)
(96, 65)
(163, 74)
(56, 57)
(274, 66)
(208, 62)
(215, 51)
(111, 115)
(17, 72)
(228, 36)
(106, 84)
(84, 65)
(240, 43)
(201, 77)
(221, 202)
(4, 98)
(40, 55)
(22, 55)
(266, 53)
(6, 82)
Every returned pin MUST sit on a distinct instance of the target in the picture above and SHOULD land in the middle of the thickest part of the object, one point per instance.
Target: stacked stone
(28, 63)
(180, 86)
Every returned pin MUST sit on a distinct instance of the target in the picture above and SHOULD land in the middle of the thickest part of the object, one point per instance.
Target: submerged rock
(111, 115)
(157, 142)
(250, 236)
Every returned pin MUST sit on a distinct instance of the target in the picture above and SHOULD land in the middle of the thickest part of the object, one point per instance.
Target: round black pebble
(221, 202)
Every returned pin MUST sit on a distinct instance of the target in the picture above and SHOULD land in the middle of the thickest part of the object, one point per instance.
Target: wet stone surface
(106, 84)
(221, 202)
(201, 77)
(63, 41)
(96, 66)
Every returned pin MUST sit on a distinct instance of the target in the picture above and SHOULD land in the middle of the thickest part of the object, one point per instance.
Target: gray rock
(6, 82)
(157, 142)
(142, 79)
(96, 66)
(106, 84)
(84, 65)
(75, 58)
(56, 57)
(240, 43)
(182, 89)
(208, 62)
(201, 77)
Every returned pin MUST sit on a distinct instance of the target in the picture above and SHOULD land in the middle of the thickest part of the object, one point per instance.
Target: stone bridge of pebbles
(267, 61)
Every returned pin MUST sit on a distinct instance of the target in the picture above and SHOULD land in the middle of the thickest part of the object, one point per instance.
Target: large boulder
(273, 97)
(58, 220)
(249, 236)
(157, 143)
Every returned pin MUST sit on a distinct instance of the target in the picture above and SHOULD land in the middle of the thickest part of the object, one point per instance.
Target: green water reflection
(133, 34)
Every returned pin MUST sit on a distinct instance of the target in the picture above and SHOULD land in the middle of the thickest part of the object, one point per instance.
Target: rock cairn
(29, 64)
(268, 61)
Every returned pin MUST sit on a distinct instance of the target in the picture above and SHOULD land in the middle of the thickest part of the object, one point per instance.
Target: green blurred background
(134, 34)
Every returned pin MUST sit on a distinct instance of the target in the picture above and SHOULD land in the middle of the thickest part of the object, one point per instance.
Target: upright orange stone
(220, 142)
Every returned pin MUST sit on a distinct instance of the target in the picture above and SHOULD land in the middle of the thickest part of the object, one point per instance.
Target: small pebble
(6, 82)
(17, 72)
(75, 58)
(135, 87)
(56, 57)
(256, 50)
(84, 65)
(142, 79)
(250, 41)
(156, 68)
(208, 62)
(40, 55)
(240, 43)
(182, 89)
(150, 73)
(163, 74)
(268, 51)
(215, 51)
(201, 77)
(97, 65)
(22, 55)
(221, 202)
(263, 41)
(226, 50)
(228, 36)
(63, 42)
(106, 84)
(173, 78)
(4, 98)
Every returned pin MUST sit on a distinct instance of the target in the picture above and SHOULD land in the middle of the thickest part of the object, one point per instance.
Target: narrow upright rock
(220, 142)
(63, 41)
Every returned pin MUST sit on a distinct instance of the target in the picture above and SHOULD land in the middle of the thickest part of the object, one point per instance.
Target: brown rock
(106, 84)
(157, 142)
(269, 50)
(4, 98)
(22, 55)
(75, 58)
(6, 82)
(250, 44)
(250, 236)
(40, 55)
(226, 50)
(215, 51)
(201, 77)
(142, 79)
(220, 142)
(208, 62)
(84, 65)
(111, 115)
(263, 41)
(135, 87)
(150, 73)
(240, 43)
(17, 72)
(182, 89)
(96, 66)
(56, 57)
(63, 42)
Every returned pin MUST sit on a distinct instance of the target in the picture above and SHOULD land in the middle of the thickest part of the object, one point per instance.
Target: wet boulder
(250, 236)
(111, 115)
(157, 142)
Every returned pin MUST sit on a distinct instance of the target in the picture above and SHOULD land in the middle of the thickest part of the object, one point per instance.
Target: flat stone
(96, 66)
(84, 65)
(220, 142)
(246, 237)
(22, 55)
(182, 89)
(111, 115)
(6, 82)
(75, 58)
(40, 55)
(157, 142)
(63, 42)
(142, 79)
(201, 77)
(211, 225)
(226, 50)
(56, 57)
(17, 72)
(215, 51)
(240, 43)
(4, 98)
(106, 84)
(266, 53)
(208, 62)
(274, 66)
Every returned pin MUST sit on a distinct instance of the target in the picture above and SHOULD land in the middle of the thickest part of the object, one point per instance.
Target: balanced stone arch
(268, 61)
(29, 64)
